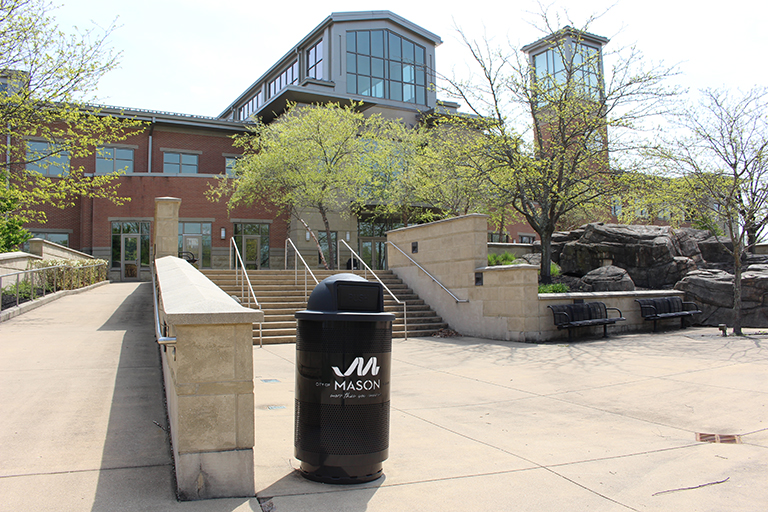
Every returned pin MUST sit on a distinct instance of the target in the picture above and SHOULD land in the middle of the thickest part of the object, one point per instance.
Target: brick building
(376, 58)
(174, 156)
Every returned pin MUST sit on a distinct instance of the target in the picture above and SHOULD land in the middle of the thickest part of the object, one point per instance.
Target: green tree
(46, 79)
(557, 128)
(428, 172)
(721, 159)
(312, 158)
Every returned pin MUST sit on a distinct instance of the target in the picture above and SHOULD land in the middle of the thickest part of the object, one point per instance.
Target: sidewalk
(604, 424)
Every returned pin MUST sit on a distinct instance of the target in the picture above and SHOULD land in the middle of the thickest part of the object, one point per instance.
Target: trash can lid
(346, 297)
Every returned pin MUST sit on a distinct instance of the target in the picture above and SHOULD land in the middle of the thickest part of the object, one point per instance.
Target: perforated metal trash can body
(343, 358)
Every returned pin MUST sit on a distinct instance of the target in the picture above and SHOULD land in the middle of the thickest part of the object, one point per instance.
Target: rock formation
(607, 279)
(659, 257)
(654, 256)
(712, 290)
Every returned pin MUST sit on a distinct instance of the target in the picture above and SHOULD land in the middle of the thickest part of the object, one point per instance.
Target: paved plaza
(599, 424)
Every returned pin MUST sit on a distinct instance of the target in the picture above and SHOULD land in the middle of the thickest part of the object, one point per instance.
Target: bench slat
(661, 308)
(568, 316)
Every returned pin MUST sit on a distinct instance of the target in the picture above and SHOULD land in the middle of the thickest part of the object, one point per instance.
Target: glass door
(373, 250)
(130, 258)
(252, 252)
(192, 249)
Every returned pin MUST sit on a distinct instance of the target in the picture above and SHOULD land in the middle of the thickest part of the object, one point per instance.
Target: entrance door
(373, 250)
(193, 245)
(252, 252)
(131, 258)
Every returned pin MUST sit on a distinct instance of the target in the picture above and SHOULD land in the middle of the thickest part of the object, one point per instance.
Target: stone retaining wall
(208, 375)
(499, 302)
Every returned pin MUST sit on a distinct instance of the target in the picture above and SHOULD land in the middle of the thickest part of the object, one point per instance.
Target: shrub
(73, 274)
(553, 288)
(506, 258)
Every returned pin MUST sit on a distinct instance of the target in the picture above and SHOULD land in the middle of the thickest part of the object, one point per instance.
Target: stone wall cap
(190, 298)
(506, 267)
(18, 255)
(598, 295)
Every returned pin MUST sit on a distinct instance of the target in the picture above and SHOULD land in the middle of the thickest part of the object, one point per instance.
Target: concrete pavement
(601, 424)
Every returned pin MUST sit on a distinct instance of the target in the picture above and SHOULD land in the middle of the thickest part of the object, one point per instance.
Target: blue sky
(196, 56)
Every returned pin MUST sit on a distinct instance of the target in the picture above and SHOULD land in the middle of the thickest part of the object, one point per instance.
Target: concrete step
(280, 294)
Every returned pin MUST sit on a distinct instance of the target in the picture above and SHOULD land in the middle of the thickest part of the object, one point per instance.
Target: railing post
(405, 321)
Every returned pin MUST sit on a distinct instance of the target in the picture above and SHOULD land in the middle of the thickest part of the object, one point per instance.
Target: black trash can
(343, 356)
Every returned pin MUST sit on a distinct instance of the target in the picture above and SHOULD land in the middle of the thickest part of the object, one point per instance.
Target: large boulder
(712, 290)
(654, 256)
(607, 279)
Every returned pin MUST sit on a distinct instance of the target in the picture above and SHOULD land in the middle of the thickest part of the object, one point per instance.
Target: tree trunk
(324, 215)
(546, 258)
(737, 288)
(317, 242)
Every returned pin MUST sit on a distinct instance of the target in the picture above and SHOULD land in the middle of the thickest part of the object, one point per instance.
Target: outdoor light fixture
(223, 233)
(347, 236)
(306, 236)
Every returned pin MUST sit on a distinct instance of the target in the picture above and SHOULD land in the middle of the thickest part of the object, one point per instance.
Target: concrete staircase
(280, 295)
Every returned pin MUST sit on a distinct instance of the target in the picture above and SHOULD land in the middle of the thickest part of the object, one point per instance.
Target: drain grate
(718, 438)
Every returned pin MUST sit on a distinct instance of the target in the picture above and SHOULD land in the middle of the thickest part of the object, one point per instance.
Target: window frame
(128, 169)
(314, 60)
(384, 70)
(181, 164)
(43, 165)
(289, 76)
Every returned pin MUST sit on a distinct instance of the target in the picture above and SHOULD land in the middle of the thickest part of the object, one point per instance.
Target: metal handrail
(369, 269)
(161, 340)
(42, 271)
(458, 300)
(251, 293)
(296, 268)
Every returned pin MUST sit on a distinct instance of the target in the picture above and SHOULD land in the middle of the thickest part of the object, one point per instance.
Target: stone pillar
(209, 383)
(166, 241)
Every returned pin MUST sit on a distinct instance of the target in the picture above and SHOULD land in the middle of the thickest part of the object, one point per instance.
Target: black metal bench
(661, 308)
(568, 316)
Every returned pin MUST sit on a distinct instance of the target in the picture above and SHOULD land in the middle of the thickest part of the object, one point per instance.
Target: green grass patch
(553, 288)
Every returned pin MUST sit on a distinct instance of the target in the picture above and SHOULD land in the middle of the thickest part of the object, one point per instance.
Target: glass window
(498, 237)
(576, 65)
(179, 163)
(315, 61)
(46, 158)
(289, 76)
(377, 43)
(229, 166)
(109, 160)
(57, 238)
(372, 227)
(380, 63)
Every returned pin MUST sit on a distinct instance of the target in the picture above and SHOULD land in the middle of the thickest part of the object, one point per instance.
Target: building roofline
(174, 118)
(336, 17)
(565, 32)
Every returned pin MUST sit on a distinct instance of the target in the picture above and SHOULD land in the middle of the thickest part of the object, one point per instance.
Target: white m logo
(361, 367)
